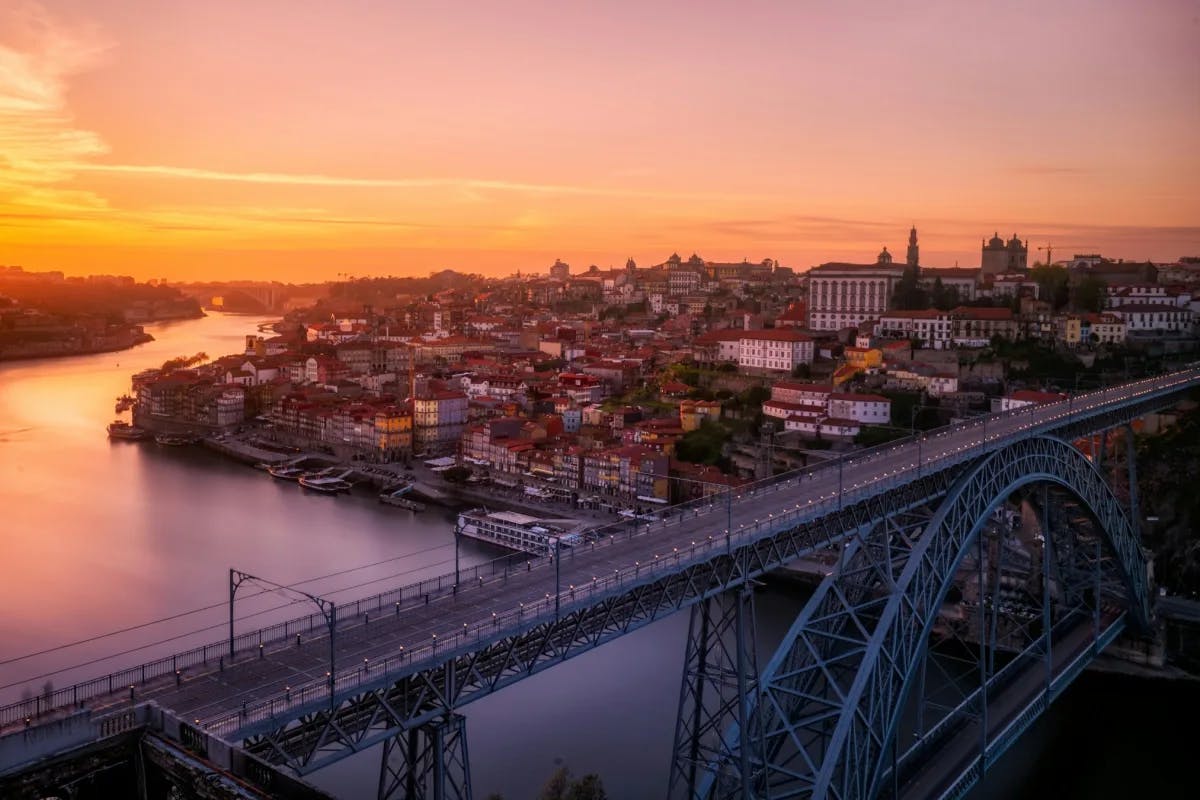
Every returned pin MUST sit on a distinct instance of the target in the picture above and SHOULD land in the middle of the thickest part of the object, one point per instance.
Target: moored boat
(330, 484)
(286, 472)
(119, 429)
(174, 439)
(520, 531)
(396, 497)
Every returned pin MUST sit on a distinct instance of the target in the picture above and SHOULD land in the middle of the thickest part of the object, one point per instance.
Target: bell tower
(913, 258)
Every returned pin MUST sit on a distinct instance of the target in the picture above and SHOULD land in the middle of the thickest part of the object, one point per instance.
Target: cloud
(38, 138)
(789, 228)
(308, 179)
(1049, 170)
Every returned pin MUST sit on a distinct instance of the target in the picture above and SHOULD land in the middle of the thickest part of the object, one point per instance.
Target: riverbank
(40, 349)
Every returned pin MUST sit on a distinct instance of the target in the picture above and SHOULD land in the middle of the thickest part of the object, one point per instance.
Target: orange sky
(279, 139)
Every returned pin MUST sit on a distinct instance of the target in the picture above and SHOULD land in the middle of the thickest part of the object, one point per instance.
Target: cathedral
(1001, 256)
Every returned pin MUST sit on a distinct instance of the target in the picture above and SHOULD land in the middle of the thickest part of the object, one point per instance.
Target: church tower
(913, 253)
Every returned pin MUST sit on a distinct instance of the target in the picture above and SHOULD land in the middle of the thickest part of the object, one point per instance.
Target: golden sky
(301, 139)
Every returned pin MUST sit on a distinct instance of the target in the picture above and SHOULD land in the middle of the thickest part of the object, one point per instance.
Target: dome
(996, 241)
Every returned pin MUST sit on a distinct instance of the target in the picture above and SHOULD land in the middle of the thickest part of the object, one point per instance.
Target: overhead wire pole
(328, 611)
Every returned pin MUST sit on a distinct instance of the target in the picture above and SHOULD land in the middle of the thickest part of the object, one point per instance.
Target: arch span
(833, 694)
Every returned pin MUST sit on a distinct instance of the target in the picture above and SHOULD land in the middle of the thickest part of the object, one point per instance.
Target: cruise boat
(520, 531)
(119, 429)
(327, 482)
(286, 472)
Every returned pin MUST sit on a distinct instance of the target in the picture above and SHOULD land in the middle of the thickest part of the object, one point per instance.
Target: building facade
(844, 295)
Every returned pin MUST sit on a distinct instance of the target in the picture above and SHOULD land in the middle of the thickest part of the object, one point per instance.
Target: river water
(98, 536)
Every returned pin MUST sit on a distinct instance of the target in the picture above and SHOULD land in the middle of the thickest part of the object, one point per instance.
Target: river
(97, 536)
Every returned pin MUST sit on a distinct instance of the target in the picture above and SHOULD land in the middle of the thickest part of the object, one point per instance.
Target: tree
(705, 445)
(1052, 283)
(561, 786)
(556, 786)
(943, 297)
(588, 787)
(1089, 293)
(802, 371)
(908, 294)
(457, 474)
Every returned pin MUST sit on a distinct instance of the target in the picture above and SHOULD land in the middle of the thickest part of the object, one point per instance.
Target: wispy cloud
(1050, 170)
(307, 179)
(38, 138)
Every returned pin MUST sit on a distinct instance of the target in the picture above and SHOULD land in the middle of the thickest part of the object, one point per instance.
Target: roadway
(205, 693)
(959, 754)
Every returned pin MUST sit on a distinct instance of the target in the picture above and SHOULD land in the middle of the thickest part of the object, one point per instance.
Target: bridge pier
(428, 762)
(716, 701)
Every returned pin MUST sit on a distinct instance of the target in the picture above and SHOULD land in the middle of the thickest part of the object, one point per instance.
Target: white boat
(520, 531)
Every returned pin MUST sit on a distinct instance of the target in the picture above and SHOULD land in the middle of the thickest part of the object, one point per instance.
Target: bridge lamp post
(557, 575)
(841, 461)
(728, 504)
(457, 537)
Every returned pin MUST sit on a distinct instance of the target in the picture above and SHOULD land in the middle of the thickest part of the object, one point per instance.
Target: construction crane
(1049, 248)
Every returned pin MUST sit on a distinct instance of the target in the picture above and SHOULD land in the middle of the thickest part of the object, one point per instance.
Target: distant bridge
(844, 709)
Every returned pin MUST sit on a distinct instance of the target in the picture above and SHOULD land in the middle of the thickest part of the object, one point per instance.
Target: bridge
(858, 701)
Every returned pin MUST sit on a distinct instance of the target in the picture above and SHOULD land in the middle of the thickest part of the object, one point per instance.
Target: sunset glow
(296, 140)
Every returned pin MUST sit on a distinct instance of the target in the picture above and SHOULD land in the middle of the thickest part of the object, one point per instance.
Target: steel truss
(833, 695)
(319, 733)
(353, 721)
(427, 762)
(720, 688)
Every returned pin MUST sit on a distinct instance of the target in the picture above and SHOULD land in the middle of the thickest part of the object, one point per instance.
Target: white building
(802, 393)
(778, 350)
(1154, 319)
(844, 295)
(931, 326)
(866, 408)
(1029, 397)
(1136, 293)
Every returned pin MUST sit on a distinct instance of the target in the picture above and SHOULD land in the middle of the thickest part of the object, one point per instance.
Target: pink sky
(284, 139)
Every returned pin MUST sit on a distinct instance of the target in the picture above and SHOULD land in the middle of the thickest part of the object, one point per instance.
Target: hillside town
(636, 385)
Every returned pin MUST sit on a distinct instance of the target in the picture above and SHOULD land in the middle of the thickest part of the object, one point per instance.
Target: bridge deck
(938, 775)
(206, 693)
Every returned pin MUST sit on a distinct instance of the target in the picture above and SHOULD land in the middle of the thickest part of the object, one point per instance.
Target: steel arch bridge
(826, 717)
(410, 659)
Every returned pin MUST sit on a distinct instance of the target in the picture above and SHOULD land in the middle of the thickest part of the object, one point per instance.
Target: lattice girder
(809, 679)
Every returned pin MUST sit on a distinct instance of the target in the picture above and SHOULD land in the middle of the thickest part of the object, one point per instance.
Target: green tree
(1089, 293)
(588, 787)
(556, 786)
(457, 474)
(802, 371)
(561, 786)
(705, 445)
(1052, 283)
(908, 294)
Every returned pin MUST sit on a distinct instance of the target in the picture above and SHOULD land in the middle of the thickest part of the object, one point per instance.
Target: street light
(557, 575)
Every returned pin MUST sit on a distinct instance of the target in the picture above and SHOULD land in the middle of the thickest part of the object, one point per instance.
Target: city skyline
(283, 142)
